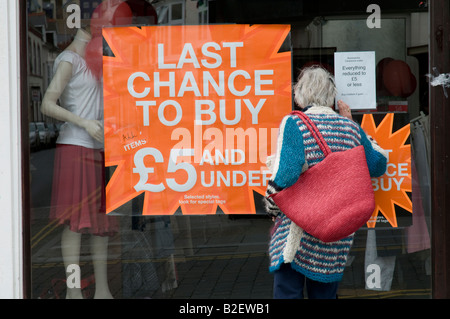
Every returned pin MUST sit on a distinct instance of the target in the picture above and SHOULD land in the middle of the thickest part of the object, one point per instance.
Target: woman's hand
(344, 109)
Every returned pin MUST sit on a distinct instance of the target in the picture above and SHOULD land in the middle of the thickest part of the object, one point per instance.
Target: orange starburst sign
(392, 188)
(191, 113)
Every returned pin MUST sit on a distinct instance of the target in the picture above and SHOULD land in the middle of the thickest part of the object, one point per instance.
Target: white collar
(317, 109)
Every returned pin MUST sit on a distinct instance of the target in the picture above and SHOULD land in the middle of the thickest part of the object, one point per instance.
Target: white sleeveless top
(83, 97)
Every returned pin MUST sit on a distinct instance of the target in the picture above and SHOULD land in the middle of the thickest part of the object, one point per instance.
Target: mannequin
(79, 94)
(59, 82)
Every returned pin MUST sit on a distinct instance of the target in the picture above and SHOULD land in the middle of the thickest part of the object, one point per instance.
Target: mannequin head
(110, 13)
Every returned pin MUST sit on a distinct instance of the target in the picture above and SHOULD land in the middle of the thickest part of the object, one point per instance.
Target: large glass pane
(171, 254)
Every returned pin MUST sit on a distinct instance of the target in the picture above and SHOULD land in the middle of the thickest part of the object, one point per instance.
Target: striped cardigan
(297, 150)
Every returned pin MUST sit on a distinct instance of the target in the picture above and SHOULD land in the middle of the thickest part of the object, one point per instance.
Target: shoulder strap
(314, 131)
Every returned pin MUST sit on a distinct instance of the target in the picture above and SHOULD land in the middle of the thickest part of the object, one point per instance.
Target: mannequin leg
(70, 248)
(99, 252)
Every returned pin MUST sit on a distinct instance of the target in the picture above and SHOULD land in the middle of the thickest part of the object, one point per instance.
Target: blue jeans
(289, 284)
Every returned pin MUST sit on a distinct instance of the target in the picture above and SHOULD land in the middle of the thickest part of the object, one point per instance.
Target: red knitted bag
(332, 199)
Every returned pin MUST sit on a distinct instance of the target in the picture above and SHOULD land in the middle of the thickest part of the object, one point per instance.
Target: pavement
(201, 257)
(205, 257)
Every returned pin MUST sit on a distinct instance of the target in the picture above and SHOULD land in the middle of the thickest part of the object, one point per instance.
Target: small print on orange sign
(191, 114)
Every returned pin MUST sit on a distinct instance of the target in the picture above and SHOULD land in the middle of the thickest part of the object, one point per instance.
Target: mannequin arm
(52, 109)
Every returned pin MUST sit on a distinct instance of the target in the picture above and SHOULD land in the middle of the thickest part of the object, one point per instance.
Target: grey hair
(315, 87)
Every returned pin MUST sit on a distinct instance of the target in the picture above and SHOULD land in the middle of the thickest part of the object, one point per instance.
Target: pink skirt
(78, 192)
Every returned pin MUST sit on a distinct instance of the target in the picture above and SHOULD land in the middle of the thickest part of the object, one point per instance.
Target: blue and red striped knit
(297, 150)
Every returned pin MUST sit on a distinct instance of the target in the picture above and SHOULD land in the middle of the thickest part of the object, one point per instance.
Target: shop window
(222, 255)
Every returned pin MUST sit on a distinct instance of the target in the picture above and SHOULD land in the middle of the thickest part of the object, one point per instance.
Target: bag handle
(314, 131)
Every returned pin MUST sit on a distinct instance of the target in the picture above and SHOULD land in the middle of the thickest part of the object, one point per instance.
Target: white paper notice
(355, 79)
